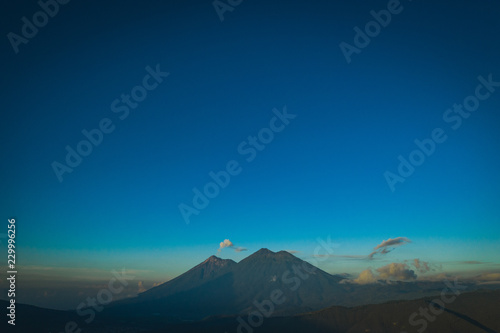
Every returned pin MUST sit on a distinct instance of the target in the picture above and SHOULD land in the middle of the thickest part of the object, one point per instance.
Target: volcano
(218, 287)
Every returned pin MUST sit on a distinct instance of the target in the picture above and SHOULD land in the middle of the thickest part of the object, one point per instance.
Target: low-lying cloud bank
(403, 272)
(393, 272)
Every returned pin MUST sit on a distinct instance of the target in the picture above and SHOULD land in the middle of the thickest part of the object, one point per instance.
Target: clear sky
(322, 175)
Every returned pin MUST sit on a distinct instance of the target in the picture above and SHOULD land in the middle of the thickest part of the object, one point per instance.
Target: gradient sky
(321, 176)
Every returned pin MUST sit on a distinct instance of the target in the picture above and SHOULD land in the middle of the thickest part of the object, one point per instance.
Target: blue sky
(322, 175)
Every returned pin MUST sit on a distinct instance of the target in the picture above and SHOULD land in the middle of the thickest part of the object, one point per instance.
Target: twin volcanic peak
(214, 267)
(218, 287)
(222, 287)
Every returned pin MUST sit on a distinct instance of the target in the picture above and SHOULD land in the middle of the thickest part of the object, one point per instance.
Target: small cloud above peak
(229, 244)
(225, 243)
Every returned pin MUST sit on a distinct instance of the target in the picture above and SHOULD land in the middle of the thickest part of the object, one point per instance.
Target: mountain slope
(200, 292)
(304, 286)
(208, 270)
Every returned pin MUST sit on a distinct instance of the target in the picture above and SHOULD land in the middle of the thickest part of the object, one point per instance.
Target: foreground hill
(469, 313)
(33, 319)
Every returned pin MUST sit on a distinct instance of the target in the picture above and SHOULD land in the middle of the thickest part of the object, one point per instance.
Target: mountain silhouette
(208, 270)
(224, 287)
(217, 288)
(217, 295)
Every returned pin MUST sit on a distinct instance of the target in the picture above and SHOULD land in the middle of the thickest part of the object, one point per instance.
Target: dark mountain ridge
(204, 272)
(470, 312)
(223, 287)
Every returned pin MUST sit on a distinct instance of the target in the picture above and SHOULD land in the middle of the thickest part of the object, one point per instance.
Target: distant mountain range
(220, 287)
(276, 292)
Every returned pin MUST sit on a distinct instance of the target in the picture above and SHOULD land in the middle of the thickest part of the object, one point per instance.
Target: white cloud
(228, 243)
(393, 271)
(365, 277)
(396, 271)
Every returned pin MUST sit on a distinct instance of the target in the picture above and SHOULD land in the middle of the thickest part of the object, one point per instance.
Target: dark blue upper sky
(322, 175)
